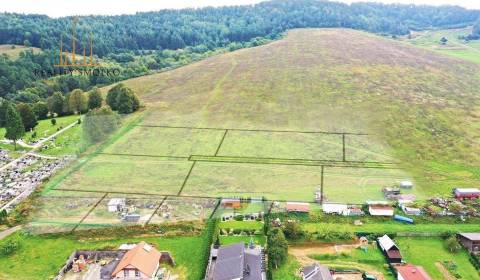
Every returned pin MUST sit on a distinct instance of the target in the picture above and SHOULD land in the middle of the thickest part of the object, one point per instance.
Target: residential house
(316, 272)
(389, 249)
(299, 207)
(381, 210)
(334, 208)
(471, 241)
(466, 193)
(141, 262)
(236, 262)
(411, 272)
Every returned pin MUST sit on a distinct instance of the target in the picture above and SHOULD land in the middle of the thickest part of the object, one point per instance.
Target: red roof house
(141, 262)
(411, 272)
(300, 207)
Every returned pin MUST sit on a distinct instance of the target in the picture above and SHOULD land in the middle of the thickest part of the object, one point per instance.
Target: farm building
(116, 204)
(316, 272)
(467, 193)
(232, 203)
(381, 210)
(471, 241)
(354, 211)
(405, 198)
(388, 191)
(299, 207)
(406, 184)
(334, 208)
(236, 262)
(389, 249)
(411, 272)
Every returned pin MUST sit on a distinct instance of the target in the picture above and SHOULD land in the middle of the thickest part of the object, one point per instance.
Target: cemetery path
(38, 146)
(9, 231)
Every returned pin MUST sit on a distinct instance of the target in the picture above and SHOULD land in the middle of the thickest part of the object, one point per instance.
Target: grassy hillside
(423, 107)
(13, 51)
(456, 47)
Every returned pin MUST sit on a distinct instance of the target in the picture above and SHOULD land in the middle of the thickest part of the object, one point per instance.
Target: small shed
(412, 211)
(381, 210)
(466, 193)
(116, 204)
(406, 184)
(299, 207)
(389, 249)
(471, 241)
(334, 208)
(233, 203)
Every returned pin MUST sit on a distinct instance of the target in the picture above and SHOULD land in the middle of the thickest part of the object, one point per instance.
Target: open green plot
(366, 148)
(248, 225)
(357, 185)
(290, 145)
(175, 209)
(128, 174)
(275, 182)
(257, 239)
(432, 253)
(48, 254)
(161, 141)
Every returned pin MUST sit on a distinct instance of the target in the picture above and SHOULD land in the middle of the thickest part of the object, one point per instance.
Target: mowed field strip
(231, 162)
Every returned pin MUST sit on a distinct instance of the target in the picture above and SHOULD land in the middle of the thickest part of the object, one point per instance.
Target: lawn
(391, 227)
(13, 51)
(288, 271)
(428, 252)
(370, 260)
(46, 255)
(247, 225)
(257, 239)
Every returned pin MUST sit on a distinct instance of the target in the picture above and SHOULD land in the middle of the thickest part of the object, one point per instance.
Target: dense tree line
(208, 28)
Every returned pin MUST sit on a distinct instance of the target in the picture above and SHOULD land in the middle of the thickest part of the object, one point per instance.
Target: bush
(452, 244)
(53, 121)
(9, 247)
(239, 218)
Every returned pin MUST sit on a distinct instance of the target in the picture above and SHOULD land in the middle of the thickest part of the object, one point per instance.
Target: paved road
(9, 231)
(37, 146)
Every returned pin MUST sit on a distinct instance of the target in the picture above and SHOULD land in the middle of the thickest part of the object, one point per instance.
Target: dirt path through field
(446, 274)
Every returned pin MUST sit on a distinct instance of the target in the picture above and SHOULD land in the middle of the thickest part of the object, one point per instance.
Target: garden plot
(288, 145)
(128, 174)
(62, 211)
(365, 148)
(274, 182)
(248, 210)
(164, 141)
(356, 185)
(175, 209)
(122, 209)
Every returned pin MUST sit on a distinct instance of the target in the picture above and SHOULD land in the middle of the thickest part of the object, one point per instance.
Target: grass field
(288, 271)
(455, 46)
(46, 255)
(428, 252)
(13, 51)
(246, 123)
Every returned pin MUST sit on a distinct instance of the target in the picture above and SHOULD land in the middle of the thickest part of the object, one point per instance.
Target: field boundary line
(255, 130)
(221, 142)
(89, 211)
(156, 209)
(219, 200)
(186, 178)
(140, 155)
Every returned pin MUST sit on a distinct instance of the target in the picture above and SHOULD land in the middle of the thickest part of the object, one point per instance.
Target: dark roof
(316, 272)
(236, 261)
(230, 262)
(394, 254)
(471, 236)
(106, 270)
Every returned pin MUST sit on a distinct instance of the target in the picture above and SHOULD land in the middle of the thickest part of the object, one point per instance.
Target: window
(125, 273)
(137, 273)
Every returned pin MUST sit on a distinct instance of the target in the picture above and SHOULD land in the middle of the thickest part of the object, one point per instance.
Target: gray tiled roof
(238, 262)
